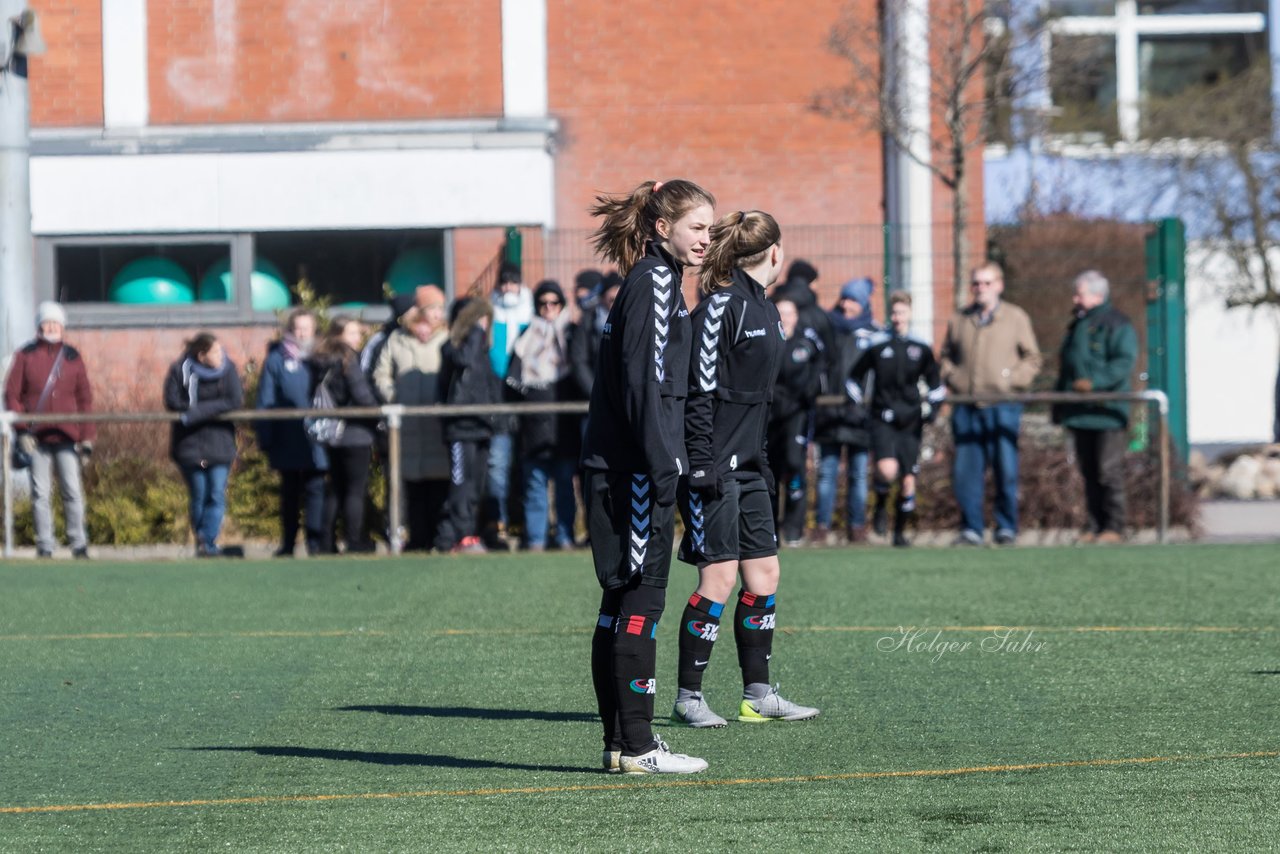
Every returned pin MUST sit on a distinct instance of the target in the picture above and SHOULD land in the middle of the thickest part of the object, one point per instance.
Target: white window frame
(1128, 27)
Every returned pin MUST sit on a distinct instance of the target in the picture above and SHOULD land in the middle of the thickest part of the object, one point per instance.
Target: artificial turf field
(445, 704)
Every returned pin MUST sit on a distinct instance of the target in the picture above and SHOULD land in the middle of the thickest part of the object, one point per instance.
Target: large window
(1082, 83)
(234, 278)
(1113, 63)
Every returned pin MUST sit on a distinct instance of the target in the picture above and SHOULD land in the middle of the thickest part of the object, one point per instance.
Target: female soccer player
(728, 505)
(633, 455)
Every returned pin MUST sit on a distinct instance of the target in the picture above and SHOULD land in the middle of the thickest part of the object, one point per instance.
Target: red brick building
(330, 136)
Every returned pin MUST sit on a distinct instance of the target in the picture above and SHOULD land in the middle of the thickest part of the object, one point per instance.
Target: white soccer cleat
(660, 760)
(696, 713)
(609, 762)
(774, 707)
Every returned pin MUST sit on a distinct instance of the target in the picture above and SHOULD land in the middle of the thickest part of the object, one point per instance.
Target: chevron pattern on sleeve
(640, 521)
(662, 292)
(709, 348)
(697, 523)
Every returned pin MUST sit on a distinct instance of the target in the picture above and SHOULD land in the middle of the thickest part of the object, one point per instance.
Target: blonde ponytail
(739, 240)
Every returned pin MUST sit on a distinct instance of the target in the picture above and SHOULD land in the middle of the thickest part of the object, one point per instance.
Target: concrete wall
(1232, 358)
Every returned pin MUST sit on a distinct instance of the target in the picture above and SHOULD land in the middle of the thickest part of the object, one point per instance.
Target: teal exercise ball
(266, 284)
(417, 265)
(151, 280)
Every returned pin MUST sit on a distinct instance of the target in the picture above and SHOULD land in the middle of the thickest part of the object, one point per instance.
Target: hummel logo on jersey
(703, 630)
(764, 623)
(607, 328)
(644, 686)
(754, 333)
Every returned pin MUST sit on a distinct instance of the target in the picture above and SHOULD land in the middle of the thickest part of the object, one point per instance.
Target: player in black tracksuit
(897, 362)
(466, 376)
(728, 506)
(793, 399)
(633, 456)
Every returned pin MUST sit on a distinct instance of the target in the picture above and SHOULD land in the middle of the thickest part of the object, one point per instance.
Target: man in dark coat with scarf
(1098, 354)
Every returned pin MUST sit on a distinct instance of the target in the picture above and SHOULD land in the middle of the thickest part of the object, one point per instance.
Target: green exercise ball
(417, 265)
(152, 280)
(266, 284)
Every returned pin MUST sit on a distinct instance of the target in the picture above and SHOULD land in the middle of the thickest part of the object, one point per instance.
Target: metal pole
(6, 445)
(1163, 528)
(393, 415)
(17, 254)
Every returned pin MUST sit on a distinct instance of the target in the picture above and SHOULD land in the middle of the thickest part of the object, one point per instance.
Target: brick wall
(127, 366)
(711, 93)
(66, 83)
(230, 61)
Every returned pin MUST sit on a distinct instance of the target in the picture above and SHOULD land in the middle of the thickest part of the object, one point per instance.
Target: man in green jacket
(1098, 354)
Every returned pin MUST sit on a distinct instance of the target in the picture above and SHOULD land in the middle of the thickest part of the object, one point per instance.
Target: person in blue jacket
(286, 383)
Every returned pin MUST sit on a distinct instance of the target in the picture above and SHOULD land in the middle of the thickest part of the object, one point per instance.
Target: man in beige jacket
(990, 348)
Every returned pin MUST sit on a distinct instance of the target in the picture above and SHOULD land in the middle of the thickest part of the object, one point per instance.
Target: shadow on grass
(415, 760)
(1266, 672)
(481, 714)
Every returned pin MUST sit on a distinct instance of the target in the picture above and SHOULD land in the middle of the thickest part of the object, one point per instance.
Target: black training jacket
(737, 351)
(635, 423)
(799, 373)
(897, 365)
(466, 377)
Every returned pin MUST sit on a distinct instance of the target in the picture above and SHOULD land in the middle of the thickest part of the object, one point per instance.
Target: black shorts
(738, 525)
(630, 532)
(891, 442)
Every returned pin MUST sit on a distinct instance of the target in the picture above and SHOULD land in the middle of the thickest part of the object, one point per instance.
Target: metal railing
(394, 415)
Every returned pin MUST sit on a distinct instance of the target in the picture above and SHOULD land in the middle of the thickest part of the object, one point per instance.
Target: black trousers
(302, 491)
(468, 468)
(1101, 457)
(348, 480)
(425, 501)
(788, 459)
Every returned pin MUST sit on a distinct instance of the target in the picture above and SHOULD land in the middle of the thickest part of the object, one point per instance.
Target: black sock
(635, 661)
(602, 679)
(753, 621)
(906, 508)
(882, 491)
(700, 624)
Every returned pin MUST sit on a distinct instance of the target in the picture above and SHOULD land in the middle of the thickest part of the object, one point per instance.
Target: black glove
(703, 480)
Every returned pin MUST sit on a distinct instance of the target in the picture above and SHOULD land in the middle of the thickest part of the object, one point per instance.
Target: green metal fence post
(1166, 252)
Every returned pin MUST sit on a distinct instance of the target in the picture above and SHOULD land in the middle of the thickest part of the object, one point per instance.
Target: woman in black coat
(202, 385)
(337, 366)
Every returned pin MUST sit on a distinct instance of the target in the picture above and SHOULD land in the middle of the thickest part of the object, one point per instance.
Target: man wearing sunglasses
(990, 348)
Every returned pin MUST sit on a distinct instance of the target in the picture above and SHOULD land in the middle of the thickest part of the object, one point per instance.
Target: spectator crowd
(472, 482)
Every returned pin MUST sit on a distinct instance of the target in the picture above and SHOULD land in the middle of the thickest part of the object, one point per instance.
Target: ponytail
(629, 221)
(739, 240)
